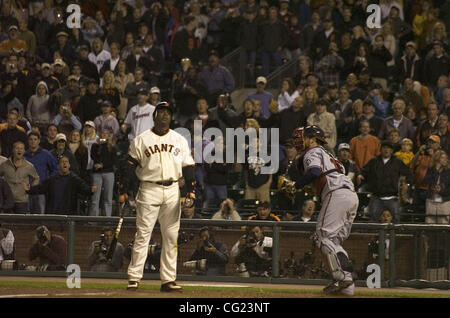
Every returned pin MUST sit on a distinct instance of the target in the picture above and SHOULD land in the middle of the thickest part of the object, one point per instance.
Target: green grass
(247, 290)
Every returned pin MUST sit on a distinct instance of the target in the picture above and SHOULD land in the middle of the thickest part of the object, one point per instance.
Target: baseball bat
(112, 246)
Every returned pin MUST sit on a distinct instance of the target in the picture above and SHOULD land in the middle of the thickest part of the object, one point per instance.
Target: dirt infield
(27, 287)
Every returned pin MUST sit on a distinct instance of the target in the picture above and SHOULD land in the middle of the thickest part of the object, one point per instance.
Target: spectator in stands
(326, 121)
(88, 69)
(80, 152)
(305, 66)
(89, 137)
(397, 120)
(438, 195)
(287, 94)
(108, 89)
(273, 38)
(382, 174)
(8, 99)
(330, 65)
(257, 185)
(377, 61)
(226, 115)
(216, 176)
(429, 126)
(411, 97)
(48, 142)
(155, 57)
(214, 252)
(140, 117)
(344, 155)
(45, 165)
(353, 90)
(248, 39)
(405, 153)
(38, 110)
(369, 114)
(203, 114)
(68, 92)
(89, 105)
(132, 89)
(306, 213)
(62, 150)
(216, 78)
(437, 64)
(342, 107)
(97, 257)
(17, 171)
(227, 211)
(62, 190)
(65, 120)
(323, 38)
(410, 65)
(122, 77)
(112, 63)
(137, 58)
(106, 120)
(381, 105)
(253, 253)
(395, 139)
(189, 213)
(262, 95)
(63, 47)
(264, 212)
(13, 43)
(444, 132)
(185, 43)
(46, 75)
(103, 153)
(51, 249)
(98, 55)
(11, 134)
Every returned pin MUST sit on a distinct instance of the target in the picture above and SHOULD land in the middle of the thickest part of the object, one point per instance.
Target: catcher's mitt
(287, 187)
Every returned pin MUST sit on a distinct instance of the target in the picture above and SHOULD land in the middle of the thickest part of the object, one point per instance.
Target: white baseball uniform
(140, 118)
(338, 197)
(160, 158)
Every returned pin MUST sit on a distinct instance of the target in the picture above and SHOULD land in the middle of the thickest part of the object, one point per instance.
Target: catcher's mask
(300, 133)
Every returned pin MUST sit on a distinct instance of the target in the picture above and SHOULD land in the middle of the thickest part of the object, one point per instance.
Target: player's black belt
(164, 183)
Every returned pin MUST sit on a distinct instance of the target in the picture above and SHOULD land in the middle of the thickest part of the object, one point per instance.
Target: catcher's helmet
(300, 133)
(162, 105)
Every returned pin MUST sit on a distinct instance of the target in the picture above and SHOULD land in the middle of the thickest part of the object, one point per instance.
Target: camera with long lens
(199, 266)
(251, 239)
(102, 249)
(207, 243)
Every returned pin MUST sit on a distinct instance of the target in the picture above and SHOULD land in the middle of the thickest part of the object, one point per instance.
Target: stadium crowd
(72, 98)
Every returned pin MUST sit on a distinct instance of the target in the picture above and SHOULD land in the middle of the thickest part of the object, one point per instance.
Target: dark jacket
(185, 45)
(101, 154)
(89, 69)
(72, 161)
(289, 120)
(75, 186)
(8, 137)
(248, 35)
(272, 36)
(408, 68)
(215, 262)
(54, 254)
(435, 67)
(383, 178)
(431, 179)
(377, 61)
(216, 173)
(6, 196)
(89, 106)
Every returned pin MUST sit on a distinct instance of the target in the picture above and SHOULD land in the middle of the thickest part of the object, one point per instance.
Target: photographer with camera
(65, 120)
(210, 257)
(253, 253)
(97, 258)
(50, 249)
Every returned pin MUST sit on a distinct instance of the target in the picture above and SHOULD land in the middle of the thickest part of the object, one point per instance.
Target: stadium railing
(412, 255)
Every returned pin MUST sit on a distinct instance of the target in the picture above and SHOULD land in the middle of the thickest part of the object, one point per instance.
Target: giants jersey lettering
(160, 158)
(318, 157)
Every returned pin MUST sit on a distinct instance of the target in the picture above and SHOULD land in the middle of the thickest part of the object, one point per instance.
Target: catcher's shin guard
(333, 261)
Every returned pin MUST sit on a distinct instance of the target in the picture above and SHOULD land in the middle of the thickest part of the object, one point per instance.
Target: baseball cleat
(171, 287)
(336, 287)
(132, 285)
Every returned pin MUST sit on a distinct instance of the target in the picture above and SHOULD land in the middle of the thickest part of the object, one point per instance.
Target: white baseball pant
(156, 202)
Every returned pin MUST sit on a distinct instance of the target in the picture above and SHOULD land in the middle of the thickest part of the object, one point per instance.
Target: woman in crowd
(122, 78)
(109, 89)
(37, 108)
(89, 137)
(287, 94)
(438, 181)
(103, 154)
(361, 59)
(80, 152)
(310, 97)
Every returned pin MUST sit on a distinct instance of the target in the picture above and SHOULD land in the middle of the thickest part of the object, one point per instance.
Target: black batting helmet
(300, 133)
(162, 105)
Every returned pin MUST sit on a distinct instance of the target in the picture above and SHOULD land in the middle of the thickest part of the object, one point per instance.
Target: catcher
(339, 203)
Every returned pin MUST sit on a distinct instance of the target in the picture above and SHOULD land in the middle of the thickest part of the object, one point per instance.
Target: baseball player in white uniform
(160, 157)
(140, 116)
(339, 204)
